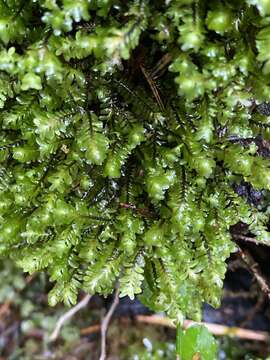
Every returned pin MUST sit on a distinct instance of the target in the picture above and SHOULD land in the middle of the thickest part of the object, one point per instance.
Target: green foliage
(110, 175)
(196, 340)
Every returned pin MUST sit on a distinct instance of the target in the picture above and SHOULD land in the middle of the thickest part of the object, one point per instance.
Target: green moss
(109, 174)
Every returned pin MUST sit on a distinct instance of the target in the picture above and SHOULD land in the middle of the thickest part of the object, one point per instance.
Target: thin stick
(153, 87)
(90, 329)
(161, 65)
(256, 271)
(105, 324)
(215, 329)
(247, 238)
(68, 315)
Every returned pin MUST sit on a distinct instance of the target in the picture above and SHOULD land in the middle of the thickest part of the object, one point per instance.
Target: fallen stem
(105, 324)
(90, 329)
(247, 238)
(254, 268)
(215, 329)
(68, 315)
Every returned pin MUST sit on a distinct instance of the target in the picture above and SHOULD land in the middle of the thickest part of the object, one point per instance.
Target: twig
(153, 87)
(256, 271)
(105, 323)
(67, 316)
(161, 65)
(239, 294)
(90, 329)
(215, 329)
(247, 238)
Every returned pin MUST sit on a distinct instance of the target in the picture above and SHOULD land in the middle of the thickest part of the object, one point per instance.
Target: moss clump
(124, 129)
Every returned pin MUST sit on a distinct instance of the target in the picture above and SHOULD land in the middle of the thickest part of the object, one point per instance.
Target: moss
(117, 159)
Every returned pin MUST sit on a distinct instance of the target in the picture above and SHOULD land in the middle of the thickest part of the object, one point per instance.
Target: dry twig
(105, 324)
(65, 317)
(247, 239)
(239, 294)
(153, 87)
(161, 65)
(256, 271)
(90, 330)
(215, 329)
